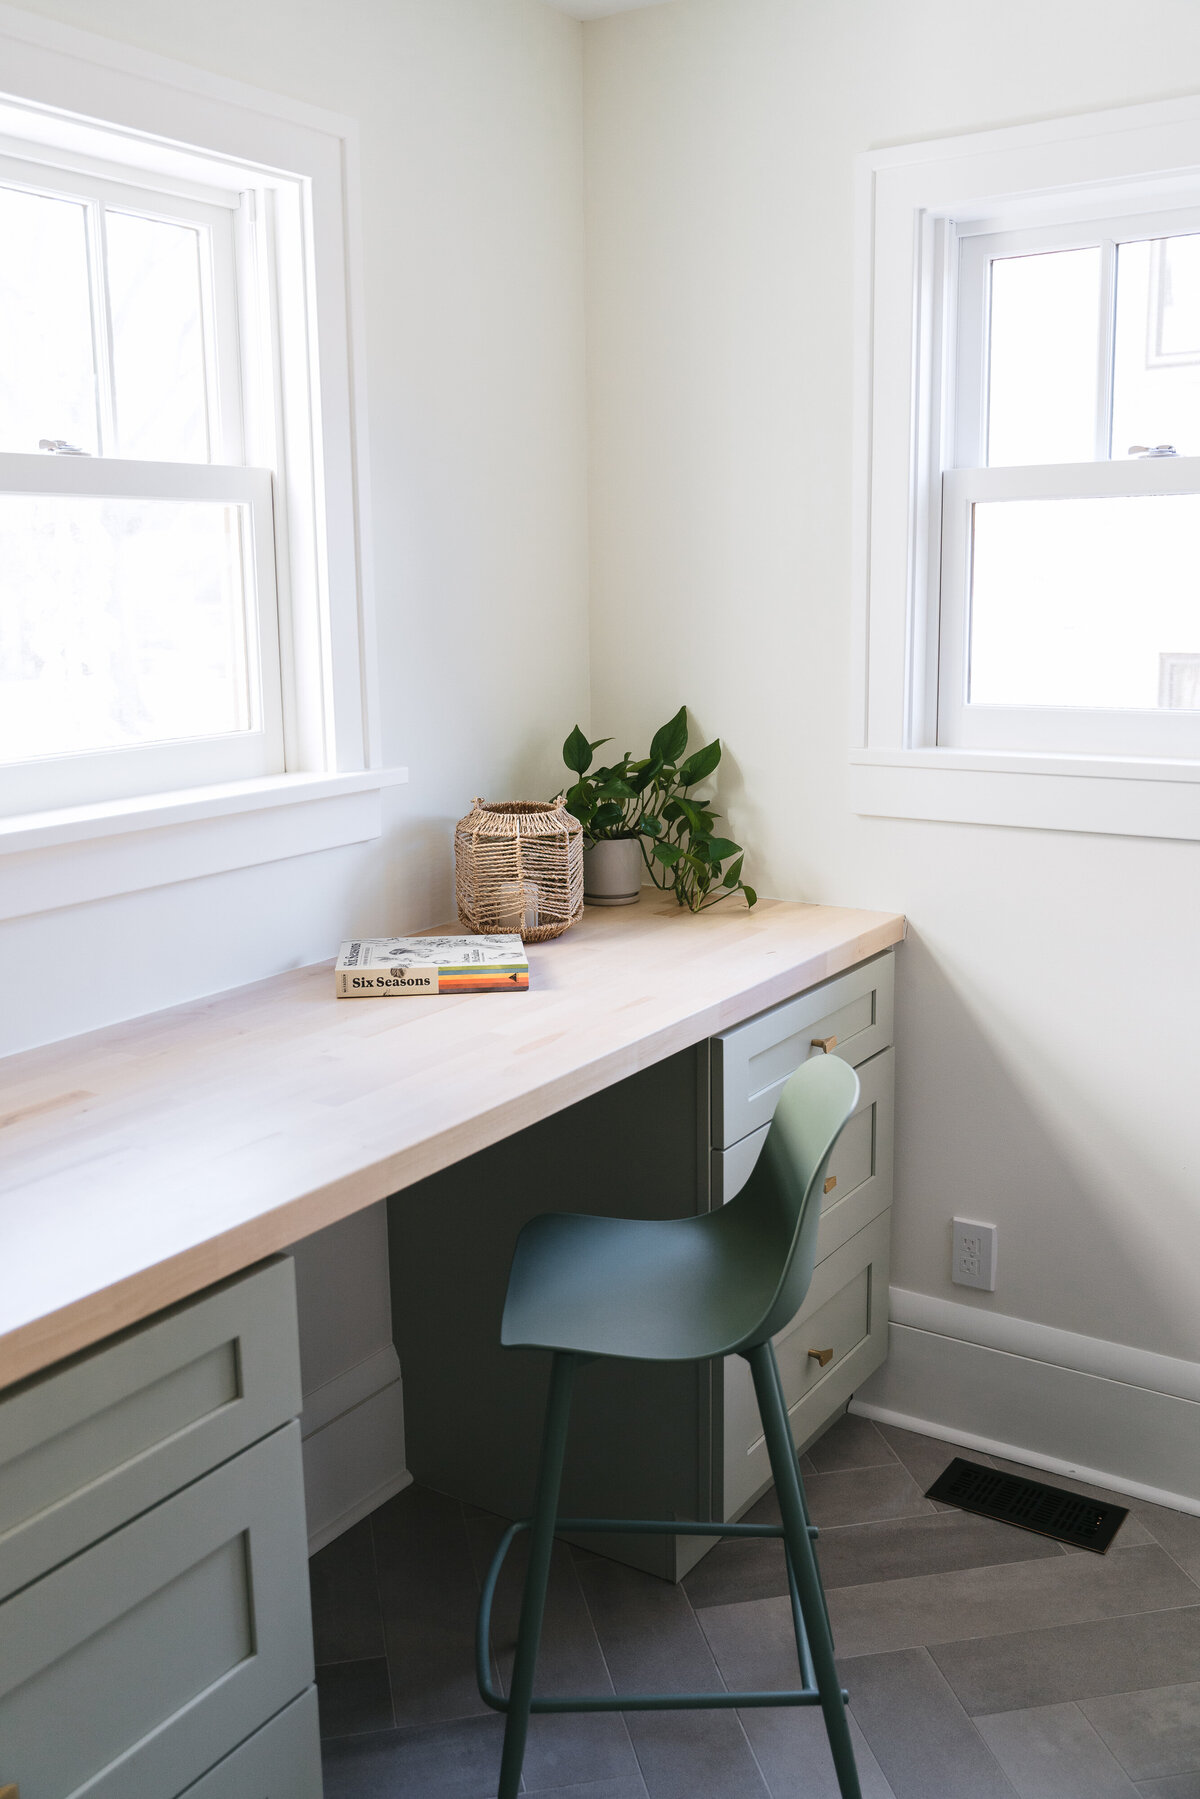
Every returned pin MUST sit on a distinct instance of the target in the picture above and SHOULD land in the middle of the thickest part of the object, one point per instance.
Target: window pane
(1086, 602)
(47, 365)
(154, 291)
(1156, 396)
(122, 621)
(1043, 358)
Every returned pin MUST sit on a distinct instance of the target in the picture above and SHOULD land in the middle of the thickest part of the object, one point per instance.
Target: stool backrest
(777, 1213)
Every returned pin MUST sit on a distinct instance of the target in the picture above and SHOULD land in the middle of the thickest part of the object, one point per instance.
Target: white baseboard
(1050, 1398)
(362, 1508)
(353, 1446)
(325, 1403)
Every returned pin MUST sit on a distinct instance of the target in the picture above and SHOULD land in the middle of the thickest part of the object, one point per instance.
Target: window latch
(1152, 450)
(58, 446)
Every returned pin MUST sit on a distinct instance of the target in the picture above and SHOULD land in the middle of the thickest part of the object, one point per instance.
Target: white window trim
(86, 100)
(910, 202)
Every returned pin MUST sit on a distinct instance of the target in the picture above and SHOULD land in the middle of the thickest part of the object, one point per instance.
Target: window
(186, 667)
(1028, 525)
(138, 598)
(1070, 551)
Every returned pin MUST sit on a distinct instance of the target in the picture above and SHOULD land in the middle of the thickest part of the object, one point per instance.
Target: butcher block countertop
(141, 1163)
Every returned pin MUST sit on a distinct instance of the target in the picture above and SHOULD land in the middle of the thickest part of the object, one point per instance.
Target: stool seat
(654, 1290)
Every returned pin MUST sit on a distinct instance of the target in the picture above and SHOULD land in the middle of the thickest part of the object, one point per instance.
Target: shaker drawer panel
(127, 1671)
(845, 1313)
(858, 1184)
(280, 1761)
(751, 1062)
(90, 1444)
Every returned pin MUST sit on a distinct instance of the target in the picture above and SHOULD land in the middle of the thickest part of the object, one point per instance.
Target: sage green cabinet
(280, 1761)
(153, 1559)
(93, 1441)
(839, 1335)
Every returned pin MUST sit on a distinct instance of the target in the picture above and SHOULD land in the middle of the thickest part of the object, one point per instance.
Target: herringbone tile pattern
(982, 1662)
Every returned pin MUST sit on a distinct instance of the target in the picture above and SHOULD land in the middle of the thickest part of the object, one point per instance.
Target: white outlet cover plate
(973, 1258)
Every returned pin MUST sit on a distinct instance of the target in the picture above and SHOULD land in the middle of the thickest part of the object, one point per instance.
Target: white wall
(1050, 988)
(471, 154)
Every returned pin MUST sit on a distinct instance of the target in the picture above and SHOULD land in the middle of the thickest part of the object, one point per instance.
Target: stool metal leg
(781, 1451)
(541, 1547)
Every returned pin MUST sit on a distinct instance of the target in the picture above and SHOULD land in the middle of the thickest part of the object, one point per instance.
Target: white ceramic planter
(612, 871)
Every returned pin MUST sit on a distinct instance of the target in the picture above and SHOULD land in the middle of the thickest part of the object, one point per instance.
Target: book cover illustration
(421, 965)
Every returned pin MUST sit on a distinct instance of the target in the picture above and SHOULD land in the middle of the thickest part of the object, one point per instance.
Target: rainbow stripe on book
(483, 980)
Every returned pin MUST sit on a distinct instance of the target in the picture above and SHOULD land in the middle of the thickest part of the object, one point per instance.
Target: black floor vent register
(1029, 1504)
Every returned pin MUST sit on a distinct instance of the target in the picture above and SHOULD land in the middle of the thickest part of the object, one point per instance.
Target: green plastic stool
(680, 1290)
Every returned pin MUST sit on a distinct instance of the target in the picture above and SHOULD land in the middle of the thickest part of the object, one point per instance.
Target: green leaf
(697, 767)
(668, 853)
(670, 740)
(735, 873)
(751, 896)
(692, 813)
(598, 743)
(672, 811)
(650, 827)
(606, 816)
(577, 752)
(616, 788)
(720, 849)
(643, 773)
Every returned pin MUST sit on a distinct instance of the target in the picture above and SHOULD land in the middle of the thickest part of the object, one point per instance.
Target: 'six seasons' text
(391, 980)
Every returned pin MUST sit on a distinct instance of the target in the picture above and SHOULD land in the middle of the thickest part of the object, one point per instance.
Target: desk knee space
(647, 1440)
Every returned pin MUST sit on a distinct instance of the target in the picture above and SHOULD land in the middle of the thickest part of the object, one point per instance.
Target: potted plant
(607, 803)
(646, 813)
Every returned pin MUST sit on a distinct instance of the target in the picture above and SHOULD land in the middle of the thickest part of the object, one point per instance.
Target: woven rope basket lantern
(519, 867)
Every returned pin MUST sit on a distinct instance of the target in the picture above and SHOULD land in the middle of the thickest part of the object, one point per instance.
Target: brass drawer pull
(830, 1184)
(822, 1356)
(9, 1793)
(826, 1045)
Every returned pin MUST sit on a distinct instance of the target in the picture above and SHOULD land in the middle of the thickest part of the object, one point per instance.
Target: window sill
(83, 853)
(1102, 794)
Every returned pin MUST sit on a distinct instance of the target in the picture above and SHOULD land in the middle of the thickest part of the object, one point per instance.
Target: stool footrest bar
(667, 1527)
(661, 1702)
(634, 1702)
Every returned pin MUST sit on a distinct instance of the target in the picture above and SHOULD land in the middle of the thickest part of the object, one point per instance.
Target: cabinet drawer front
(751, 1062)
(281, 1761)
(129, 1670)
(860, 1167)
(93, 1442)
(846, 1312)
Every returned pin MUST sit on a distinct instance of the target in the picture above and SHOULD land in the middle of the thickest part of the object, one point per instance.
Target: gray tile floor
(982, 1662)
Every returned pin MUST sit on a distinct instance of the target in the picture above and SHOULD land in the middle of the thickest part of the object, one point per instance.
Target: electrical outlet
(974, 1257)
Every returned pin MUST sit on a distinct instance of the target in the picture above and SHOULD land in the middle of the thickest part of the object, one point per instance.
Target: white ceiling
(599, 9)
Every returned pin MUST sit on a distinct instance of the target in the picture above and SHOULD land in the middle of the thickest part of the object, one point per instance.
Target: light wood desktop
(143, 1162)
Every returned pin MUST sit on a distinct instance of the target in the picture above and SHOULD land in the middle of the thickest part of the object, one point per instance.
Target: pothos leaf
(670, 740)
(699, 766)
(577, 751)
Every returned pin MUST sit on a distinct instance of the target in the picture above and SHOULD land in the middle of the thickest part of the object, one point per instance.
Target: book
(419, 965)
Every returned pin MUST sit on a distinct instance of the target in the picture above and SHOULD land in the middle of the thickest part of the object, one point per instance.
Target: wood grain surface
(140, 1163)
